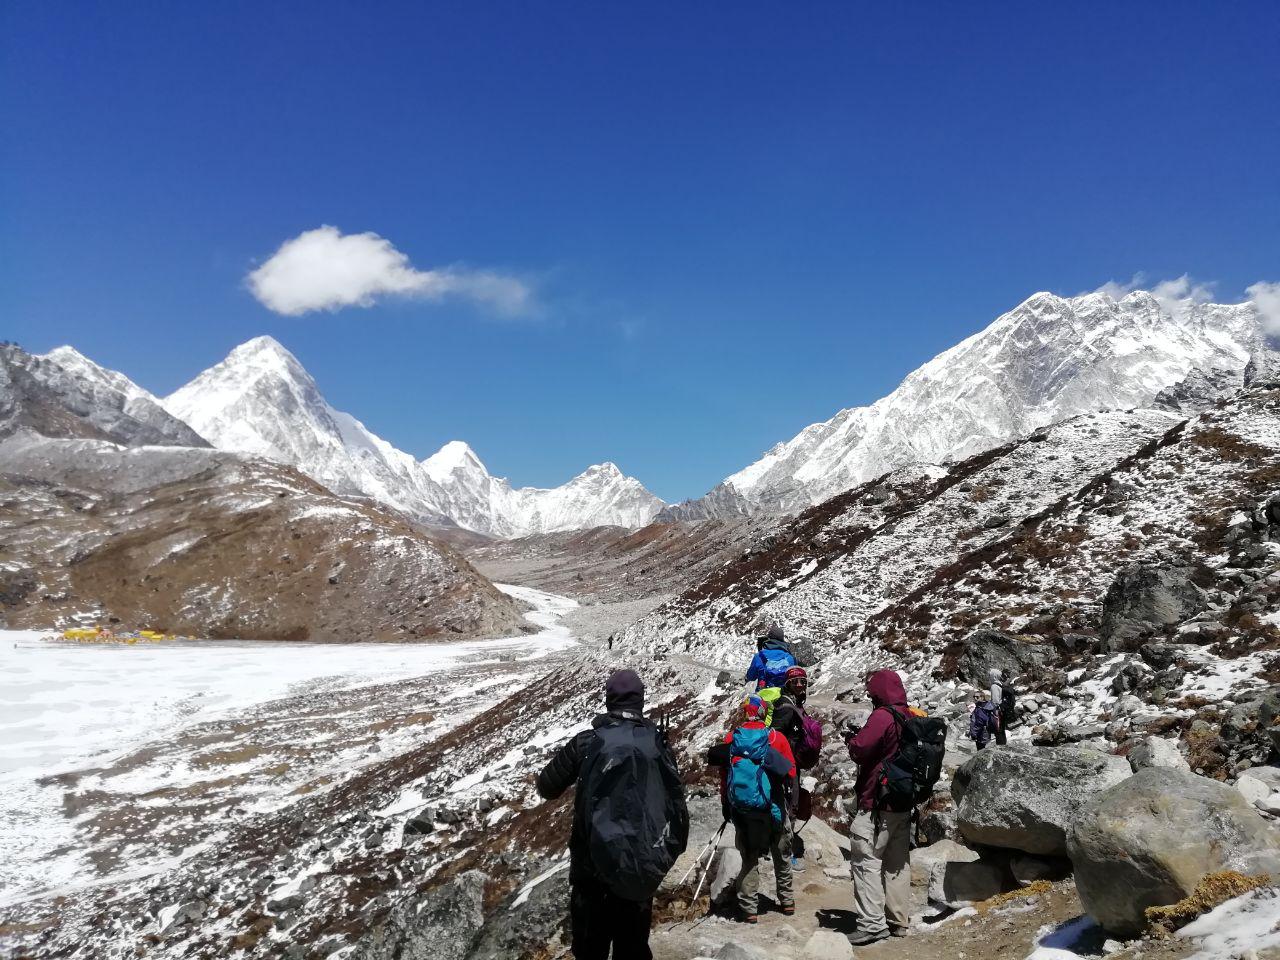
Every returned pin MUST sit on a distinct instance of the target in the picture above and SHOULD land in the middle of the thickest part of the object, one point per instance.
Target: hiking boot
(788, 909)
(864, 938)
(899, 931)
(747, 918)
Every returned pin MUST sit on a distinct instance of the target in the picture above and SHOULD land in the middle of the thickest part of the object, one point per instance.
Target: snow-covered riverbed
(67, 706)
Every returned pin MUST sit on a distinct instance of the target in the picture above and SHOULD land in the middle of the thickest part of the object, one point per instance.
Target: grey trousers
(880, 848)
(755, 838)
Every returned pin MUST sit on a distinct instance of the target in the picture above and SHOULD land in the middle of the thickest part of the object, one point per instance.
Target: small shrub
(1214, 889)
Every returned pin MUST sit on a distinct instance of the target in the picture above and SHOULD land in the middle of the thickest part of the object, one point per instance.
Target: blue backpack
(776, 665)
(750, 791)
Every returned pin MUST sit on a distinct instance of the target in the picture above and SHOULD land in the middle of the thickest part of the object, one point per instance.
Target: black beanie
(624, 691)
(775, 632)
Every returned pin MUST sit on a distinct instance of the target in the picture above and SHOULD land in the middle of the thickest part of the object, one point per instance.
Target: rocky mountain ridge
(1047, 360)
(115, 512)
(261, 401)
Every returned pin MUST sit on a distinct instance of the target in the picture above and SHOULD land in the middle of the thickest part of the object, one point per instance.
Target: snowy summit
(260, 400)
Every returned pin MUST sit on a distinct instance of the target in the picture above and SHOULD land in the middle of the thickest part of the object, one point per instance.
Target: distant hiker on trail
(984, 721)
(773, 659)
(630, 822)
(757, 788)
(899, 756)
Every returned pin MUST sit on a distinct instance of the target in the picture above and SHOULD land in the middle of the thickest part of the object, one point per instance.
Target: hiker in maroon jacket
(880, 840)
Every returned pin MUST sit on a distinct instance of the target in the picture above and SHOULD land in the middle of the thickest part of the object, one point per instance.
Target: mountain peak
(454, 456)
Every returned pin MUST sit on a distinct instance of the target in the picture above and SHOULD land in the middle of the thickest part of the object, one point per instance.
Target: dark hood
(624, 693)
(886, 690)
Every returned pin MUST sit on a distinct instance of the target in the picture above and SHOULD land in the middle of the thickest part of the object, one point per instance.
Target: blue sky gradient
(737, 219)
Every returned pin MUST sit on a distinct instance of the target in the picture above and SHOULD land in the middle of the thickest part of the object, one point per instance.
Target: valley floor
(117, 760)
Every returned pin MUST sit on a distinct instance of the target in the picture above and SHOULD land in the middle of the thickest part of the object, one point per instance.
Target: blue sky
(731, 219)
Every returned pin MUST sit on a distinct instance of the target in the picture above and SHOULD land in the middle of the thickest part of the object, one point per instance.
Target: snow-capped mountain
(64, 394)
(1049, 359)
(260, 400)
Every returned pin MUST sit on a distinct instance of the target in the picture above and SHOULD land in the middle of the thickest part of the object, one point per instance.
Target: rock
(438, 926)
(741, 951)
(986, 650)
(1157, 752)
(1144, 597)
(1255, 791)
(527, 920)
(828, 945)
(924, 859)
(956, 883)
(1027, 869)
(1147, 841)
(938, 824)
(1025, 798)
(1160, 656)
(1249, 731)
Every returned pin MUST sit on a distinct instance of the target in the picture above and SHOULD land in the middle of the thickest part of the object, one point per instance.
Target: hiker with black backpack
(804, 734)
(757, 788)
(1005, 699)
(630, 822)
(899, 756)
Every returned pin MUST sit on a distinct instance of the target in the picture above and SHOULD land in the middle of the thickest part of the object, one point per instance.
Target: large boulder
(528, 919)
(440, 926)
(1157, 752)
(1144, 598)
(1146, 842)
(986, 650)
(1024, 798)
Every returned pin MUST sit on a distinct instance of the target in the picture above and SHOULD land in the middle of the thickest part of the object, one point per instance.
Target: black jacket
(565, 769)
(788, 721)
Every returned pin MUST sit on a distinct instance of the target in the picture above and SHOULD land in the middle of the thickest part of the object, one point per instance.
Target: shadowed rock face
(1147, 841)
(440, 926)
(1144, 598)
(75, 398)
(987, 650)
(1026, 799)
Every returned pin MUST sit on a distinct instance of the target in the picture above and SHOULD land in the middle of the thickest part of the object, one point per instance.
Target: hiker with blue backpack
(774, 657)
(630, 822)
(758, 786)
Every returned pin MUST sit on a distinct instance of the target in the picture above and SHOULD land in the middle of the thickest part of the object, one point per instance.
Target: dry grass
(1000, 899)
(1212, 890)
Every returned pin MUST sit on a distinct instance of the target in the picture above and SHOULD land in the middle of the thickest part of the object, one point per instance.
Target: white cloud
(1174, 296)
(1266, 299)
(323, 269)
(1178, 295)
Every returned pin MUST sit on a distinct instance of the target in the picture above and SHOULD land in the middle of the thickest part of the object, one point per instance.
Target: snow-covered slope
(1049, 359)
(64, 394)
(260, 400)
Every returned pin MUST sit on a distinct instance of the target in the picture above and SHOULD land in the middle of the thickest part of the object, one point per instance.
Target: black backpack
(1008, 700)
(631, 804)
(908, 777)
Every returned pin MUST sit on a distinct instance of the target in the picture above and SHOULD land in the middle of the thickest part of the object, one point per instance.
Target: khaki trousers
(880, 848)
(754, 839)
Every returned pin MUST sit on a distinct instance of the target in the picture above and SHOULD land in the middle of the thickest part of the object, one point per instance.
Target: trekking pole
(697, 860)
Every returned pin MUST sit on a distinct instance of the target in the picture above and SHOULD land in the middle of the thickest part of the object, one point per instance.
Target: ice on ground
(69, 706)
(1064, 942)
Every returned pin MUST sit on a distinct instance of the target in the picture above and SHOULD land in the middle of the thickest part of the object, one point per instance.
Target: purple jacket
(877, 741)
